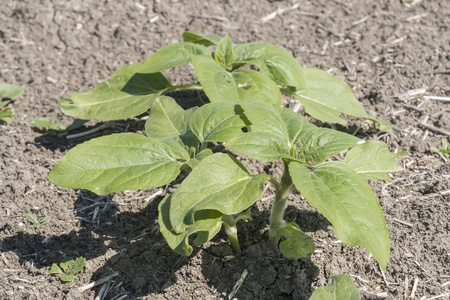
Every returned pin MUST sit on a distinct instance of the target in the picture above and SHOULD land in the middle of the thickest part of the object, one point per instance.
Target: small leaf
(172, 56)
(33, 218)
(77, 265)
(218, 183)
(342, 288)
(127, 93)
(245, 216)
(239, 86)
(10, 91)
(326, 97)
(272, 61)
(224, 52)
(372, 160)
(65, 264)
(116, 162)
(45, 220)
(205, 40)
(216, 122)
(67, 278)
(55, 270)
(207, 225)
(347, 201)
(47, 124)
(297, 243)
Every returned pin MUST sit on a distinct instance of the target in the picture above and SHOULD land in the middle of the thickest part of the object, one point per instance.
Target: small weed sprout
(67, 268)
(35, 220)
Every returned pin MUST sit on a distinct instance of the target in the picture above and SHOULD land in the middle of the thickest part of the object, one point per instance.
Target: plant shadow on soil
(133, 246)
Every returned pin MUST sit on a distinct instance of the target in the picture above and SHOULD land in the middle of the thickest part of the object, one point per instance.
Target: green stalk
(230, 229)
(192, 86)
(284, 189)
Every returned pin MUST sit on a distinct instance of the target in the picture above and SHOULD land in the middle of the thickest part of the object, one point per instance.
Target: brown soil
(383, 49)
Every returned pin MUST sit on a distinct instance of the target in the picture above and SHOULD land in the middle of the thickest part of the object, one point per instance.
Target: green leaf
(372, 160)
(297, 243)
(224, 52)
(6, 113)
(32, 218)
(207, 224)
(169, 123)
(326, 97)
(10, 91)
(45, 220)
(172, 56)
(218, 183)
(67, 278)
(47, 124)
(66, 263)
(216, 122)
(348, 202)
(275, 135)
(117, 162)
(127, 94)
(342, 288)
(273, 61)
(77, 265)
(239, 86)
(205, 40)
(55, 270)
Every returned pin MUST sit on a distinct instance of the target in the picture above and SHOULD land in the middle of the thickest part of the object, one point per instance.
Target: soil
(392, 54)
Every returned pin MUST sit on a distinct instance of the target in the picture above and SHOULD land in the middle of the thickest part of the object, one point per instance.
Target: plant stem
(284, 189)
(230, 229)
(192, 86)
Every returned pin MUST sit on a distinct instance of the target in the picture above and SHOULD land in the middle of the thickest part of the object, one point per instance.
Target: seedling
(8, 93)
(68, 268)
(341, 287)
(246, 116)
(445, 150)
(34, 219)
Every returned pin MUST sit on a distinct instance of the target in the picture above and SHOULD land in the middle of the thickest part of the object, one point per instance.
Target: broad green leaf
(372, 160)
(127, 94)
(239, 86)
(173, 55)
(55, 270)
(169, 123)
(207, 225)
(348, 202)
(224, 52)
(10, 91)
(219, 182)
(216, 122)
(205, 40)
(342, 288)
(47, 124)
(116, 162)
(276, 135)
(312, 144)
(326, 97)
(297, 243)
(66, 264)
(6, 113)
(274, 61)
(193, 162)
(77, 265)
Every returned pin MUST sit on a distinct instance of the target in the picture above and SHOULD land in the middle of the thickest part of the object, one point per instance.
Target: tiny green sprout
(34, 219)
(68, 268)
(8, 93)
(445, 150)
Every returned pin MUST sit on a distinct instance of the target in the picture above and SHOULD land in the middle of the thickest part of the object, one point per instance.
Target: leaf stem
(229, 223)
(191, 86)
(284, 189)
